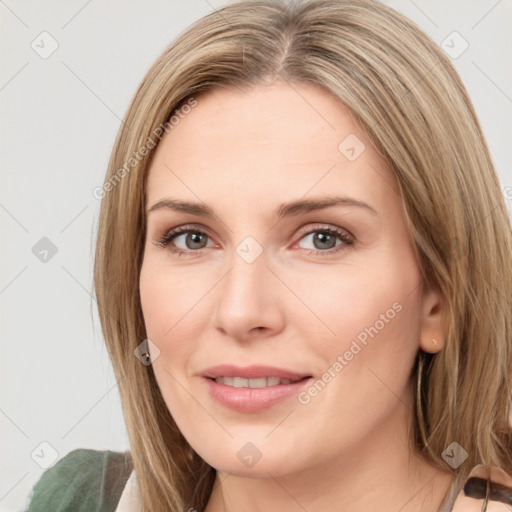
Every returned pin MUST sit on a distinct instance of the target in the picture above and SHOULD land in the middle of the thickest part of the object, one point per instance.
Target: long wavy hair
(407, 96)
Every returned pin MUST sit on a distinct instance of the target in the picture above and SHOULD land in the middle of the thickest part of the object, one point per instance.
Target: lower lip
(253, 399)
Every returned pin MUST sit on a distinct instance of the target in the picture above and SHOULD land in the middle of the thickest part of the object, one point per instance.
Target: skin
(243, 154)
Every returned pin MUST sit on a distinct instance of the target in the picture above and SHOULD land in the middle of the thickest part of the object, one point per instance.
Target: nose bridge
(247, 294)
(247, 277)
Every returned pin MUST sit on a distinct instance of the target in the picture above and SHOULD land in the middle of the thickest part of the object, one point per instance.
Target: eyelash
(347, 239)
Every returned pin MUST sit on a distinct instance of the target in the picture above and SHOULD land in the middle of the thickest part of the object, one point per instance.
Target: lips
(253, 372)
(242, 382)
(253, 388)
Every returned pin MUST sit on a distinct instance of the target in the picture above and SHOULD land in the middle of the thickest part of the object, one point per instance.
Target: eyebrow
(283, 210)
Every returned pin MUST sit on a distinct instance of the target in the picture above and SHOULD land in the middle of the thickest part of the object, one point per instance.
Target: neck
(381, 473)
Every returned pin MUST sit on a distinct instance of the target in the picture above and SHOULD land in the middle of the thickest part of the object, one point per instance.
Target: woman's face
(278, 287)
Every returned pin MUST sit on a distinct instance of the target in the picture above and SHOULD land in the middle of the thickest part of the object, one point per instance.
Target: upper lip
(251, 372)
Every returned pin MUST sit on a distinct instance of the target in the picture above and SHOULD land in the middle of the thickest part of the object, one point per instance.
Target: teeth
(257, 383)
(274, 381)
(241, 382)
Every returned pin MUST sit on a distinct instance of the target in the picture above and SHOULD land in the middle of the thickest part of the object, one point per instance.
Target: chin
(256, 460)
(262, 469)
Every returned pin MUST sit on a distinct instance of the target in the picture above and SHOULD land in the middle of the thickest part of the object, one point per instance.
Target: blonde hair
(407, 96)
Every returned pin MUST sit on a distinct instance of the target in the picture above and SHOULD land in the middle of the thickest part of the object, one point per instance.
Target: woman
(340, 339)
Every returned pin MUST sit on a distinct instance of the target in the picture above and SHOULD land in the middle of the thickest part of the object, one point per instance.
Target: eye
(324, 240)
(193, 238)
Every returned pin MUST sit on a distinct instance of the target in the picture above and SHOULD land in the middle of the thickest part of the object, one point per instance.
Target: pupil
(196, 238)
(321, 237)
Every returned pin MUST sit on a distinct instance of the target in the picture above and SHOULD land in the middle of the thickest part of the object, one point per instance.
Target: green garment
(83, 481)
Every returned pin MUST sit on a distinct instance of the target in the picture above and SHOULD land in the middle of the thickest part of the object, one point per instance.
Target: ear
(433, 330)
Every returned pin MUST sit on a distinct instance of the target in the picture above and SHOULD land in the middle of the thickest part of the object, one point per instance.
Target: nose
(249, 301)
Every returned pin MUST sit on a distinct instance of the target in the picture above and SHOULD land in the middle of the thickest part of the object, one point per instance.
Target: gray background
(58, 120)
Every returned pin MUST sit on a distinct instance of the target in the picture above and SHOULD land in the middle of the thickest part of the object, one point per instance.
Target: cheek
(168, 303)
(361, 304)
(365, 377)
(374, 321)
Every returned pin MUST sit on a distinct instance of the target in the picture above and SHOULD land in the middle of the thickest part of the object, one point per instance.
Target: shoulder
(84, 480)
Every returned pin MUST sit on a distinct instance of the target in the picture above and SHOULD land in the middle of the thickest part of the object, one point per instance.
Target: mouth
(254, 388)
(263, 382)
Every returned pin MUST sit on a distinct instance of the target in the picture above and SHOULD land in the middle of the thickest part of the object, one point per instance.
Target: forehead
(277, 114)
(268, 141)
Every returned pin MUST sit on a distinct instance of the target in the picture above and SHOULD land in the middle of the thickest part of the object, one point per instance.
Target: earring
(419, 406)
(486, 500)
(418, 380)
